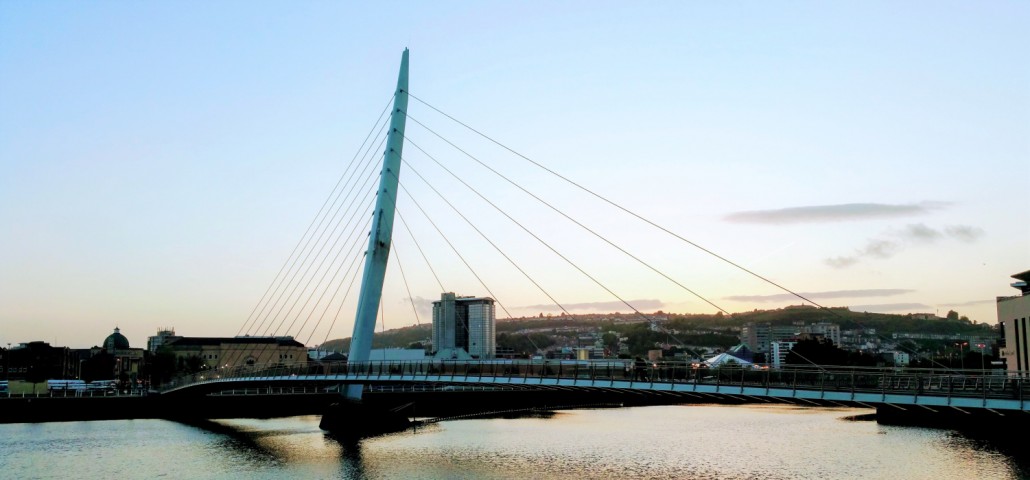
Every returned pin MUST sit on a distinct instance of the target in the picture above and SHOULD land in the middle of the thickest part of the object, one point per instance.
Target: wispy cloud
(423, 306)
(909, 235)
(921, 233)
(970, 303)
(889, 307)
(613, 306)
(782, 297)
(964, 233)
(834, 213)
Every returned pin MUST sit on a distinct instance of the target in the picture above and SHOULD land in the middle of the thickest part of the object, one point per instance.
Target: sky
(159, 162)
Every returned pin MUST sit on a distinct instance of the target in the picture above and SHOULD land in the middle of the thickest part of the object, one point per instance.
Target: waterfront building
(126, 362)
(464, 327)
(163, 336)
(228, 352)
(1014, 318)
(36, 362)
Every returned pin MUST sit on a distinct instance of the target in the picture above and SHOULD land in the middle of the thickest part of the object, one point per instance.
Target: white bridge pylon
(378, 252)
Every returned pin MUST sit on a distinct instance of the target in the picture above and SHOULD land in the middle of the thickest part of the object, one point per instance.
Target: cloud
(878, 248)
(613, 306)
(921, 233)
(889, 307)
(875, 248)
(911, 234)
(970, 303)
(781, 297)
(840, 262)
(964, 233)
(833, 213)
(423, 306)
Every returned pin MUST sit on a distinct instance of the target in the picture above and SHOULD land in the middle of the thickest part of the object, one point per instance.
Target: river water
(688, 441)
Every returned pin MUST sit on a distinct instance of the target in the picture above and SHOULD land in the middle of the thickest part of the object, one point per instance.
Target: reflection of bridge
(842, 386)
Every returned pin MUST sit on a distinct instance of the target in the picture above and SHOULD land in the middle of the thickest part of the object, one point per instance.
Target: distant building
(829, 331)
(760, 336)
(778, 352)
(229, 352)
(1014, 318)
(38, 361)
(128, 362)
(464, 326)
(163, 336)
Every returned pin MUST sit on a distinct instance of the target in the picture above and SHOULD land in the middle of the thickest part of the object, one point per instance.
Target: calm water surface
(728, 442)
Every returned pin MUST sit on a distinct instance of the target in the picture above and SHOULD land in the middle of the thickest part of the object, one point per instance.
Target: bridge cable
(431, 222)
(516, 222)
(271, 320)
(642, 218)
(354, 230)
(355, 247)
(406, 288)
(346, 295)
(556, 253)
(537, 237)
(317, 215)
(612, 203)
(318, 259)
(480, 232)
(559, 211)
(419, 247)
(322, 244)
(358, 254)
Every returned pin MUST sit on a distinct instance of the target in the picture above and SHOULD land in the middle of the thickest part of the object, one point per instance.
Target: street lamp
(962, 358)
(983, 371)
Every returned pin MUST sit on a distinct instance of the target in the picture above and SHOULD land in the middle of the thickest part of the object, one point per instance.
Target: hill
(716, 330)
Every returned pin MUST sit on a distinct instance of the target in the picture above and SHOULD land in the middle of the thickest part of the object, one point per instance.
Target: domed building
(116, 341)
(116, 360)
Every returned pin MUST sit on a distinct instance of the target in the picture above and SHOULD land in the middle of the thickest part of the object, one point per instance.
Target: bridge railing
(986, 383)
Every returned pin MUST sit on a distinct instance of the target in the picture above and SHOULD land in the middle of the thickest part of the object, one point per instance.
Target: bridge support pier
(354, 418)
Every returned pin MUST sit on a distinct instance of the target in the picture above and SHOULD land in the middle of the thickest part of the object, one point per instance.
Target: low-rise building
(230, 352)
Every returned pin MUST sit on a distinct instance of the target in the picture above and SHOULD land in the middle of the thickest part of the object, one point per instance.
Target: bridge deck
(861, 386)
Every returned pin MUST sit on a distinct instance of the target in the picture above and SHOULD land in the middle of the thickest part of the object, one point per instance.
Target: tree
(807, 352)
(162, 366)
(952, 315)
(98, 367)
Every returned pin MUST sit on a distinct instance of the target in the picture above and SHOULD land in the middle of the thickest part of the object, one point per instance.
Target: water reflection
(351, 464)
(237, 442)
(698, 441)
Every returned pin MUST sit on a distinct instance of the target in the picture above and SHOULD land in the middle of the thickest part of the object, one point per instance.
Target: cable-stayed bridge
(531, 229)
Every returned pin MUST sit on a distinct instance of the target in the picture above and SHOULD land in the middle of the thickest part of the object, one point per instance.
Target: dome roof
(116, 341)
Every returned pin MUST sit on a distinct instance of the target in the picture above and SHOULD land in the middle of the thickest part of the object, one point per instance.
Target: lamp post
(983, 371)
(962, 359)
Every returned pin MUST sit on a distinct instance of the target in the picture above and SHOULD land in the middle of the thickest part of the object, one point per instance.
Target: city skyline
(159, 165)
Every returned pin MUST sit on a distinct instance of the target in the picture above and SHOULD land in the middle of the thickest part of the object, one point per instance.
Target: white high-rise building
(464, 326)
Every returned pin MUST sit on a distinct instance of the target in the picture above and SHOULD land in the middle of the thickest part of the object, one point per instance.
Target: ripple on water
(698, 441)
